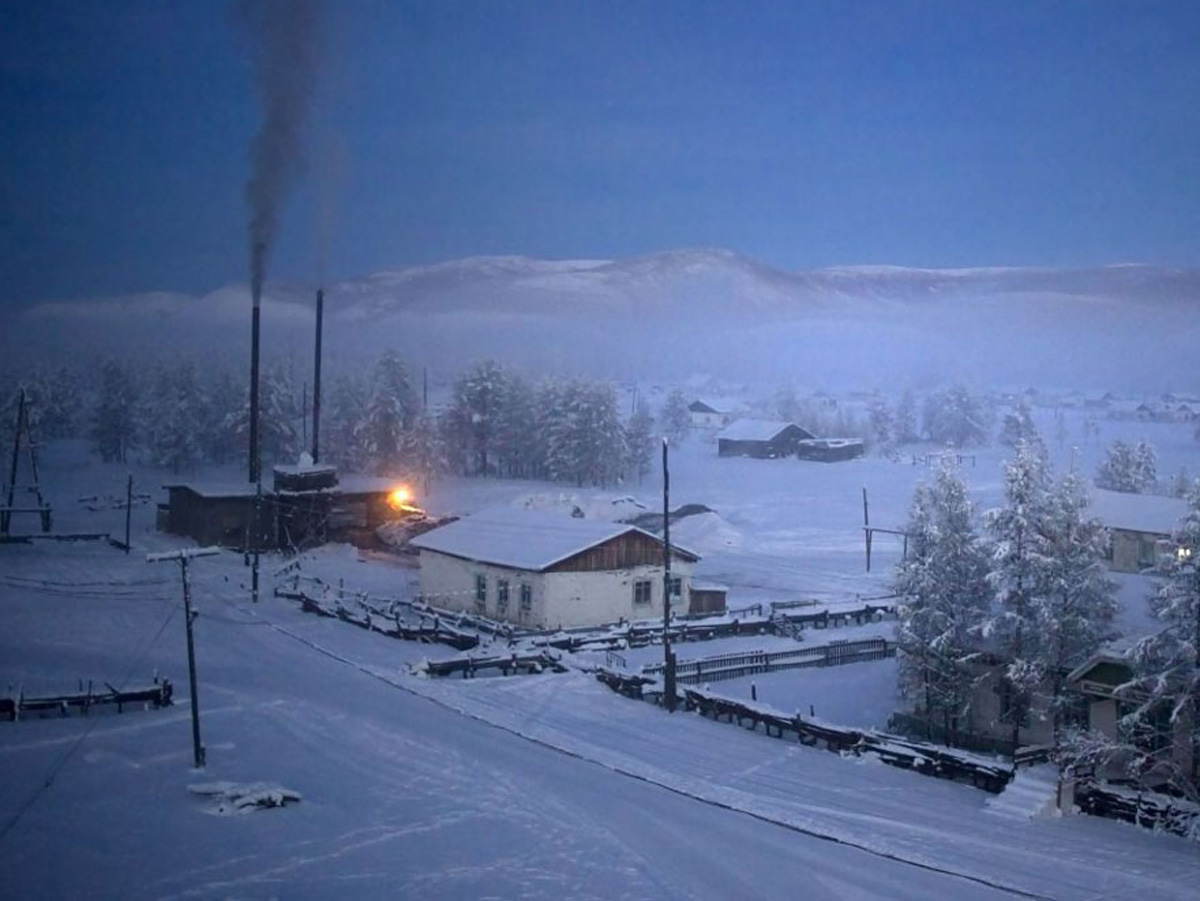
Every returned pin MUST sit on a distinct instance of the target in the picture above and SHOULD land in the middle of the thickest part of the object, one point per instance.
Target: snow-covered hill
(698, 310)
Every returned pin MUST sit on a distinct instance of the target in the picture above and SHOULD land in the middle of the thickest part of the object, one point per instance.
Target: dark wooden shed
(762, 439)
(830, 450)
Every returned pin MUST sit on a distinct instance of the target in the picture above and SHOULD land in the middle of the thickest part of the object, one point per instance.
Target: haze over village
(615, 450)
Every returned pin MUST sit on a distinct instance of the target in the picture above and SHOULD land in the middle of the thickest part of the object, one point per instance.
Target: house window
(676, 587)
(526, 598)
(481, 592)
(641, 592)
(502, 595)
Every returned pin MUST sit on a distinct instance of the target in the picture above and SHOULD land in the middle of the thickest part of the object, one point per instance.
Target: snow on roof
(215, 489)
(525, 539)
(1149, 513)
(352, 484)
(830, 442)
(754, 430)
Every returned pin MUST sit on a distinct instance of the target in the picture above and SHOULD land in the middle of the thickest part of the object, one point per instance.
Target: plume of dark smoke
(284, 53)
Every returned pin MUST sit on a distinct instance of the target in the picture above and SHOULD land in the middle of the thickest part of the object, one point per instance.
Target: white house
(544, 570)
(1140, 526)
(707, 414)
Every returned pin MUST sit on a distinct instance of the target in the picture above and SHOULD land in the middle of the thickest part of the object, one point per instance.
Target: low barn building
(708, 414)
(544, 570)
(830, 450)
(303, 507)
(1140, 526)
(761, 438)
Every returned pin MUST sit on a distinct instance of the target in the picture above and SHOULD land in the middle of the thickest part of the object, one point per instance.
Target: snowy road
(402, 796)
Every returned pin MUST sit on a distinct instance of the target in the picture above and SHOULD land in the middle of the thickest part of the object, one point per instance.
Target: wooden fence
(508, 664)
(737, 665)
(1142, 808)
(931, 760)
(156, 695)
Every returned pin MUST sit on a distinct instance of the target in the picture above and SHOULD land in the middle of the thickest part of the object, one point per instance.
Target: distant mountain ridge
(709, 280)
(680, 311)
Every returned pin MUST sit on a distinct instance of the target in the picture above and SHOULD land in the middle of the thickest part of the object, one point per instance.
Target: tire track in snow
(724, 805)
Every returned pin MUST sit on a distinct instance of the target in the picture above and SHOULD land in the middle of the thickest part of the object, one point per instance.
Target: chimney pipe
(317, 377)
(259, 253)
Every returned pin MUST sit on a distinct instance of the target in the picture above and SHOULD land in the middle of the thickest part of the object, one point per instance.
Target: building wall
(709, 420)
(560, 599)
(449, 582)
(1133, 551)
(592, 598)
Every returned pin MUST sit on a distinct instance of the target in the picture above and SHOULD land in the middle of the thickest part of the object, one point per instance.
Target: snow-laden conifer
(1164, 726)
(1021, 557)
(946, 599)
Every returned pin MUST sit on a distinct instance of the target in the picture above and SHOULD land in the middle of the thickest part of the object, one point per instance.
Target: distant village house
(1140, 526)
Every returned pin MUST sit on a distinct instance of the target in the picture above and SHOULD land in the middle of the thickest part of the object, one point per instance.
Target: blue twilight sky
(801, 133)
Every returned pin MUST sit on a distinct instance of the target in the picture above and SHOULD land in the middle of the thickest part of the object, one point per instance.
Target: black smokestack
(316, 445)
(283, 45)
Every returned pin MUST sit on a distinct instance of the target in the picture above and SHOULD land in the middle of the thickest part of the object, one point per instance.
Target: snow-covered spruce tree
(477, 401)
(340, 437)
(1076, 604)
(946, 599)
(422, 452)
(586, 444)
(675, 419)
(174, 416)
(640, 443)
(1019, 572)
(956, 417)
(114, 427)
(881, 425)
(222, 396)
(515, 437)
(1166, 685)
(549, 417)
(1129, 468)
(389, 413)
(278, 418)
(1017, 425)
(905, 425)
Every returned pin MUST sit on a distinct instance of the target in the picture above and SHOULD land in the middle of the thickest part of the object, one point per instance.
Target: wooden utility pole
(128, 509)
(668, 654)
(183, 556)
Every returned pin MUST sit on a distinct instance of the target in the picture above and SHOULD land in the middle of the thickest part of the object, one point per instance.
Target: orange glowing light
(400, 497)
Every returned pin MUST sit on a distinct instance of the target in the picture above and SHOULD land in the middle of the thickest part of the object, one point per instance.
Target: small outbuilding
(762, 439)
(304, 506)
(706, 597)
(545, 570)
(830, 450)
(1140, 526)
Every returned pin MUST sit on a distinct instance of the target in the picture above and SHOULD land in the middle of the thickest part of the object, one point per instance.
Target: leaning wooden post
(183, 556)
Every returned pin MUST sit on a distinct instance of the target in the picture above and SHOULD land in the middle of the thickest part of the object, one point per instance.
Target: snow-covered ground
(543, 786)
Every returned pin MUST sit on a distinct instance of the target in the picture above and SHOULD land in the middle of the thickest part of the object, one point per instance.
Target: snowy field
(533, 787)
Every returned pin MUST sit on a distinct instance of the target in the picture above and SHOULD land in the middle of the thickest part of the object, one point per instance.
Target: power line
(70, 752)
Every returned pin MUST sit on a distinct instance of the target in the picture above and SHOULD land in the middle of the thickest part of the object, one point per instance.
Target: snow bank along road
(408, 798)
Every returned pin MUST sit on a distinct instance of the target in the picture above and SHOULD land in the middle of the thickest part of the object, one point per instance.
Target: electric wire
(70, 752)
